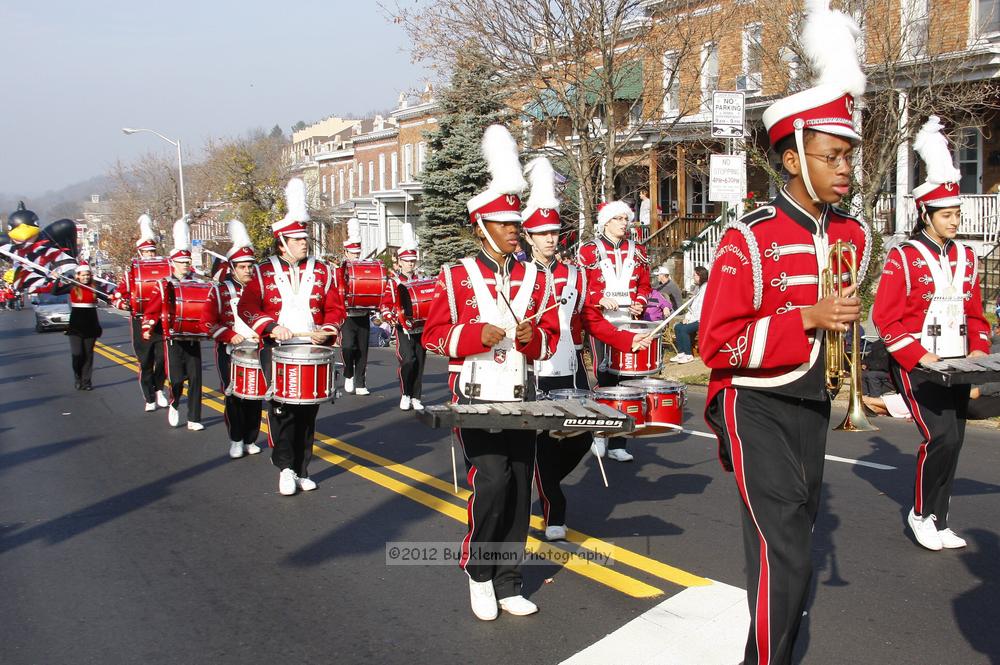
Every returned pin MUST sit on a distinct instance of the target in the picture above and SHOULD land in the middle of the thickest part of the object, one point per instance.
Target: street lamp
(180, 162)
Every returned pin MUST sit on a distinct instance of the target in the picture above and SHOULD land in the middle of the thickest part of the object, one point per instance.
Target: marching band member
(224, 325)
(148, 352)
(618, 279)
(355, 335)
(292, 292)
(409, 351)
(483, 319)
(84, 326)
(183, 355)
(928, 307)
(556, 458)
(763, 334)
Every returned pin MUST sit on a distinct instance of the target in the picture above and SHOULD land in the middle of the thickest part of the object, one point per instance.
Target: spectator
(644, 204)
(377, 334)
(875, 378)
(688, 328)
(657, 307)
(668, 287)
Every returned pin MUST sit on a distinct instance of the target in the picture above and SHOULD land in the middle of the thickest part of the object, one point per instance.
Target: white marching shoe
(253, 449)
(235, 449)
(405, 404)
(600, 446)
(150, 406)
(286, 482)
(161, 399)
(306, 484)
(173, 417)
(951, 540)
(361, 390)
(556, 532)
(620, 455)
(924, 531)
(417, 405)
(519, 606)
(484, 600)
(348, 385)
(195, 427)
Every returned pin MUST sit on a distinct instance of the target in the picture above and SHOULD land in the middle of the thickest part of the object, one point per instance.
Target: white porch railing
(700, 251)
(980, 215)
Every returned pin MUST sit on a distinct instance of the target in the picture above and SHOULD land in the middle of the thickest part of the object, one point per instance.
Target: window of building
(381, 172)
(421, 156)
(968, 148)
(671, 85)
(322, 185)
(350, 179)
(340, 198)
(361, 179)
(709, 73)
(753, 35)
(394, 169)
(371, 176)
(914, 14)
(987, 17)
(408, 162)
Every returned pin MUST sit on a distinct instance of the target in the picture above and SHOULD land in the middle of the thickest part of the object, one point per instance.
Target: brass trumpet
(832, 282)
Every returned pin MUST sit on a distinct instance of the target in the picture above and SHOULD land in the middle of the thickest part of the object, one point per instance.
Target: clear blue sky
(72, 74)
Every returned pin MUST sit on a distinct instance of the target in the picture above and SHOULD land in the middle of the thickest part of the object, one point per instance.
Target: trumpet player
(928, 307)
(763, 330)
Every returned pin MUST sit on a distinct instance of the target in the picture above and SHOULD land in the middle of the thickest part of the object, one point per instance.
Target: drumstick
(559, 301)
(600, 465)
(500, 293)
(655, 331)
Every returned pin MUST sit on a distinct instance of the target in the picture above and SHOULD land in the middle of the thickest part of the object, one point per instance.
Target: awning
(546, 106)
(627, 82)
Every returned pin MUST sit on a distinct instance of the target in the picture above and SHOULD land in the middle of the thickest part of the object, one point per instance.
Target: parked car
(51, 312)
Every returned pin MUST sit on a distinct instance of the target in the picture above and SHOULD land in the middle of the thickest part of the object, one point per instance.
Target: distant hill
(58, 203)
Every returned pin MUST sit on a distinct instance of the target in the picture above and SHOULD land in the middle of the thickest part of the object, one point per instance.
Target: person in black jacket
(84, 327)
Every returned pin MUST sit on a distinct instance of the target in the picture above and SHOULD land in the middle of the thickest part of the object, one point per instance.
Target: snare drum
(183, 304)
(415, 297)
(630, 401)
(664, 400)
(246, 376)
(302, 374)
(364, 284)
(568, 394)
(143, 276)
(638, 363)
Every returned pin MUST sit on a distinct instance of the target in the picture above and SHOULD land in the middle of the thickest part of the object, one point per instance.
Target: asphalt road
(123, 540)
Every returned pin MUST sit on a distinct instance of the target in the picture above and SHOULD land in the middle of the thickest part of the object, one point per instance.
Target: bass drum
(183, 305)
(143, 276)
(364, 284)
(415, 298)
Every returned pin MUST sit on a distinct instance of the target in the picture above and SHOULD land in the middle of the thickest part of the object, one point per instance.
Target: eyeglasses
(834, 161)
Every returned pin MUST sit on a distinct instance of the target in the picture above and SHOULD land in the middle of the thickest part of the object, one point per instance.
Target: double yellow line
(333, 450)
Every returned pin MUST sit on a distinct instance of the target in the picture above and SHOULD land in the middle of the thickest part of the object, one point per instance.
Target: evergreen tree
(276, 133)
(455, 170)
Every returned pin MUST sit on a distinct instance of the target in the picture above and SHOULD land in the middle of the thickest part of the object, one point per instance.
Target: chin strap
(489, 238)
(800, 144)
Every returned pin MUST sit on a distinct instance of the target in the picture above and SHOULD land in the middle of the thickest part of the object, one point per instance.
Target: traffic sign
(728, 114)
(725, 178)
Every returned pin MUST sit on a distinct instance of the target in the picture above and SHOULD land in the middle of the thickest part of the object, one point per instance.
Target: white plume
(409, 237)
(238, 234)
(182, 234)
(146, 228)
(353, 230)
(500, 151)
(932, 145)
(543, 184)
(829, 41)
(295, 199)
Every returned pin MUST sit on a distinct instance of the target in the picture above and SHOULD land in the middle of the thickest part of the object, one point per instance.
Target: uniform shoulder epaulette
(758, 215)
(754, 250)
(841, 212)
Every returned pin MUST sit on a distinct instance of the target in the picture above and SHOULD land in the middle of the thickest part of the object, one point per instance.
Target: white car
(51, 312)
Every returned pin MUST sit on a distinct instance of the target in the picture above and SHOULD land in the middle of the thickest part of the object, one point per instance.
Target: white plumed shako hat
(940, 189)
(242, 249)
(292, 225)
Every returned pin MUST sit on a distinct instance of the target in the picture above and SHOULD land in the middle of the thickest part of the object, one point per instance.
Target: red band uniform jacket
(904, 294)
(453, 328)
(587, 314)
(391, 309)
(260, 302)
(590, 258)
(217, 314)
(766, 268)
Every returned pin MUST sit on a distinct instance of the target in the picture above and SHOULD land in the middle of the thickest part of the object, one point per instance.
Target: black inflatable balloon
(22, 216)
(63, 233)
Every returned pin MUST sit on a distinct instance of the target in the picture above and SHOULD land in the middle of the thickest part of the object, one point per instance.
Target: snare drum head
(569, 393)
(246, 354)
(619, 392)
(303, 353)
(641, 326)
(649, 384)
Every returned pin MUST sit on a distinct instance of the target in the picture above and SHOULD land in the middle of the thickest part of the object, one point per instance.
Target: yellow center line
(577, 564)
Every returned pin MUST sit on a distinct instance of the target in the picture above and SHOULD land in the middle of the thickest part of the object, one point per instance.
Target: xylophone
(564, 415)
(962, 371)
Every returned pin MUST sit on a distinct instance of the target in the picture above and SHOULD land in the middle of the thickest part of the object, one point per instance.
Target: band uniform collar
(787, 204)
(492, 264)
(932, 244)
(614, 245)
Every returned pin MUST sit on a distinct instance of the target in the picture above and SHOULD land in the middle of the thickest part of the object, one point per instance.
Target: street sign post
(728, 114)
(725, 178)
(196, 251)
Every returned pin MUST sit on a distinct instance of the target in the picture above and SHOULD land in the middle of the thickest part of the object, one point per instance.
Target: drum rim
(288, 352)
(638, 394)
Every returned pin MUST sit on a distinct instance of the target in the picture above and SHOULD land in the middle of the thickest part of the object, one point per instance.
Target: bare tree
(587, 77)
